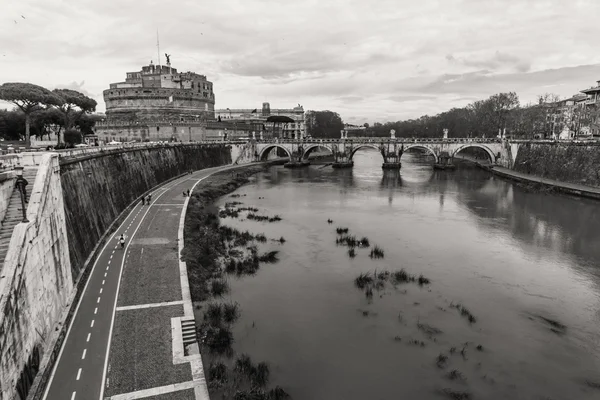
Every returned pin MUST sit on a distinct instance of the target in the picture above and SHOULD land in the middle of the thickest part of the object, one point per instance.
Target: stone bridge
(391, 149)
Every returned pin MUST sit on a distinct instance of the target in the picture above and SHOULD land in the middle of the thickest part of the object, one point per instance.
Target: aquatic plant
(217, 374)
(219, 340)
(231, 266)
(376, 252)
(277, 393)
(397, 338)
(441, 360)
(214, 314)
(428, 329)
(455, 375)
(422, 280)
(243, 364)
(464, 311)
(363, 280)
(269, 257)
(230, 312)
(364, 242)
(330, 221)
(259, 376)
(282, 240)
(232, 204)
(479, 347)
(351, 252)
(219, 287)
(456, 395)
(369, 292)
(340, 230)
(260, 238)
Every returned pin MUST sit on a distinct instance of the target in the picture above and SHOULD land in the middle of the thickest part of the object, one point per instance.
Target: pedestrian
(188, 192)
(143, 200)
(122, 241)
(149, 199)
(184, 195)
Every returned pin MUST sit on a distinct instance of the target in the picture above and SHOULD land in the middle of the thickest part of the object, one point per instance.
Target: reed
(231, 312)
(362, 280)
(218, 287)
(376, 252)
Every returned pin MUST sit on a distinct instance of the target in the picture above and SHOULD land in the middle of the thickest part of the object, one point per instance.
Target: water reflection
(510, 255)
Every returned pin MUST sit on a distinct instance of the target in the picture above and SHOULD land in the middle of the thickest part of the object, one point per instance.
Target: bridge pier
(342, 154)
(391, 155)
(296, 160)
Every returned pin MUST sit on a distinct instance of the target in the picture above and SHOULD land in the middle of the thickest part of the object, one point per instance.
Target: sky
(370, 61)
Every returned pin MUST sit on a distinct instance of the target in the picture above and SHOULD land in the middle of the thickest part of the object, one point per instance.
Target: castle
(160, 104)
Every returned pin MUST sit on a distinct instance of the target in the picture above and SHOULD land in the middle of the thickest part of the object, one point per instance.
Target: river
(526, 265)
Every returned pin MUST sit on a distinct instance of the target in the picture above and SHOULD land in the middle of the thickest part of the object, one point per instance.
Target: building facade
(259, 116)
(159, 103)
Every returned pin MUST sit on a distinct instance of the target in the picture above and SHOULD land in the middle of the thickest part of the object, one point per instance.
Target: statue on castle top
(168, 56)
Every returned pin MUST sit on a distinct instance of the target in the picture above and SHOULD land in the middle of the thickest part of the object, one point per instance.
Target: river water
(517, 260)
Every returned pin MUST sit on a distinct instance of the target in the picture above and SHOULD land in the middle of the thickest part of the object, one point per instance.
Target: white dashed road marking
(88, 338)
(98, 301)
(78, 373)
(73, 396)
(83, 355)
(92, 324)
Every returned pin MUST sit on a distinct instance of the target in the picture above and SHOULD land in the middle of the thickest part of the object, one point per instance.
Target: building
(592, 107)
(354, 130)
(569, 114)
(159, 103)
(259, 117)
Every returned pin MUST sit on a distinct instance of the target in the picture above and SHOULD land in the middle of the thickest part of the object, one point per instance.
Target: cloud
(494, 62)
(390, 59)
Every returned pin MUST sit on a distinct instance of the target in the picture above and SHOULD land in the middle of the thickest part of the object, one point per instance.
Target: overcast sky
(378, 60)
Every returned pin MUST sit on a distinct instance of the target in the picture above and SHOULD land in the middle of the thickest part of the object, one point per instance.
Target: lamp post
(21, 183)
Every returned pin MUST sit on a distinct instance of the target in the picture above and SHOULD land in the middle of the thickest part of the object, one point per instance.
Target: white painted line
(150, 305)
(96, 310)
(73, 396)
(170, 204)
(108, 262)
(111, 256)
(101, 290)
(98, 301)
(78, 374)
(88, 337)
(105, 274)
(83, 355)
(92, 324)
(62, 348)
(103, 281)
(155, 391)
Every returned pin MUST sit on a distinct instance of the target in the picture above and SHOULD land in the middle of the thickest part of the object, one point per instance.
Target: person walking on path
(143, 200)
(122, 241)
(149, 199)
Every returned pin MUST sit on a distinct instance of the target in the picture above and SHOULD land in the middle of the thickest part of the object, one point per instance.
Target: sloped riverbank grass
(211, 252)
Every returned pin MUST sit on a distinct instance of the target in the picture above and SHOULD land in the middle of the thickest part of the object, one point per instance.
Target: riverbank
(546, 185)
(212, 252)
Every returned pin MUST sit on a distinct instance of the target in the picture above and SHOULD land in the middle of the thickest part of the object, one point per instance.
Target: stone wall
(97, 189)
(36, 282)
(566, 162)
(7, 184)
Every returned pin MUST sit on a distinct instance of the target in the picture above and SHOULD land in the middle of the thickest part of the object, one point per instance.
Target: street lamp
(21, 183)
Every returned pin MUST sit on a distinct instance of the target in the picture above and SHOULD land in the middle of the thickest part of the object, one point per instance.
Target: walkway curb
(562, 187)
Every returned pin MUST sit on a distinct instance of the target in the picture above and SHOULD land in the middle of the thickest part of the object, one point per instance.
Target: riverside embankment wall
(567, 162)
(36, 282)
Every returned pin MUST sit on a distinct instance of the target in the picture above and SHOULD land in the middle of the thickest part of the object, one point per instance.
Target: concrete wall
(36, 282)
(574, 163)
(98, 188)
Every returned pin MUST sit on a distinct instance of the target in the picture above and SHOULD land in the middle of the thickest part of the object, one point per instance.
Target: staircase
(188, 329)
(14, 214)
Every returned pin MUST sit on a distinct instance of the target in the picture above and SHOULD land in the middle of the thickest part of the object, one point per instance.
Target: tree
(47, 122)
(75, 105)
(327, 124)
(29, 98)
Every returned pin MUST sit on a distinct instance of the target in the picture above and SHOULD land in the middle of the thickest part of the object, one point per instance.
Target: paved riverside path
(146, 276)
(573, 188)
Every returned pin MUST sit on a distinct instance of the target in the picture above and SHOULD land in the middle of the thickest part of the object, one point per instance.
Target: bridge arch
(313, 147)
(265, 151)
(489, 152)
(424, 147)
(363, 146)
